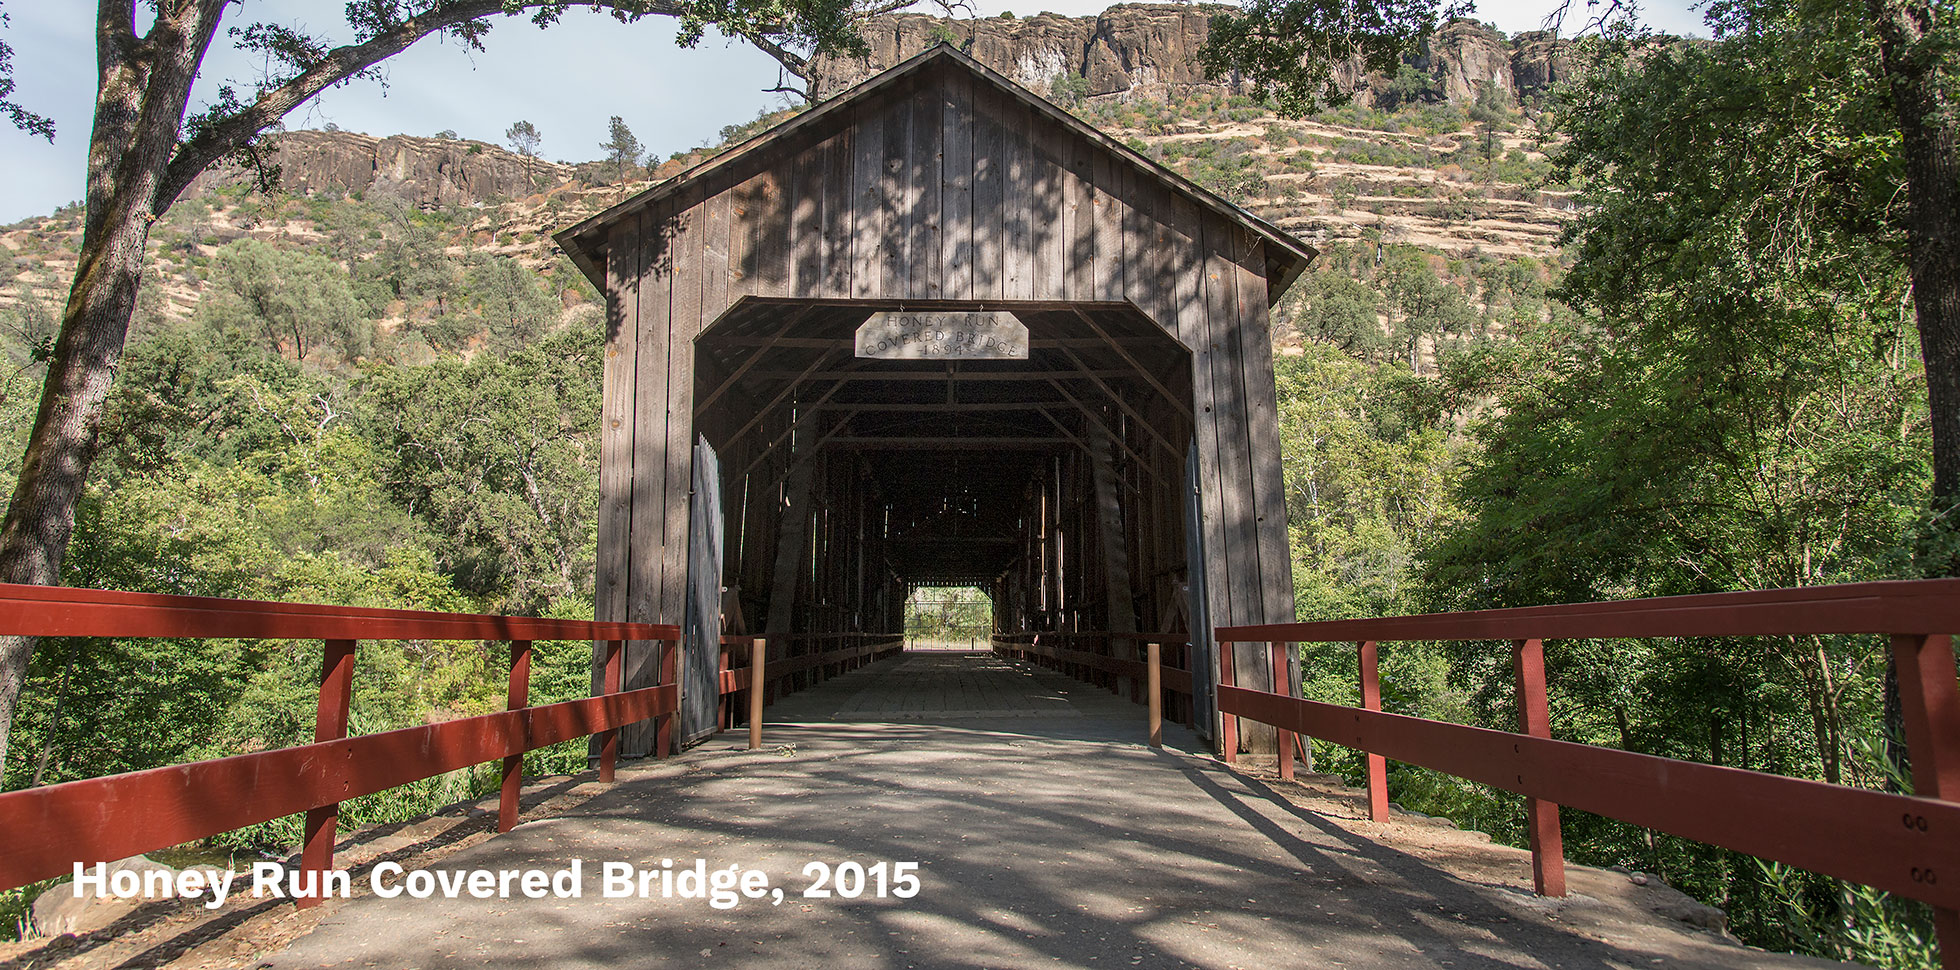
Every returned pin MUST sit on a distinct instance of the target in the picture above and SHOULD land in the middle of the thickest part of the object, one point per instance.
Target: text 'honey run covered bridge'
(937, 331)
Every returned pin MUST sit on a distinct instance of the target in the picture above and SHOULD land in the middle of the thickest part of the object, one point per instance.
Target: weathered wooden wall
(942, 187)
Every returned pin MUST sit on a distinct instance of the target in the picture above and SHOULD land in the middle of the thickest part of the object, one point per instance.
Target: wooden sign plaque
(943, 335)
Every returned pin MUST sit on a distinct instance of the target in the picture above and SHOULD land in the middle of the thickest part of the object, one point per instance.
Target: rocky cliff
(420, 171)
(1145, 49)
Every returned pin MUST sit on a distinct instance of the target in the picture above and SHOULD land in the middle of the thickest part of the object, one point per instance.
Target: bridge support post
(663, 726)
(609, 741)
(1930, 696)
(1154, 685)
(1371, 700)
(518, 698)
(1541, 817)
(758, 648)
(1282, 684)
(722, 702)
(329, 724)
(1228, 724)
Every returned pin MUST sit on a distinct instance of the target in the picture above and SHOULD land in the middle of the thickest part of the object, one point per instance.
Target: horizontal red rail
(1907, 845)
(1927, 606)
(1889, 841)
(49, 829)
(59, 611)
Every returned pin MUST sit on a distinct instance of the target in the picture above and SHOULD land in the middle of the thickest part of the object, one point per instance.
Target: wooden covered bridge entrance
(937, 331)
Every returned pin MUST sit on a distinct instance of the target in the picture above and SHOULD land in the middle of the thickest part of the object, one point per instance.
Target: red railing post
(1228, 724)
(518, 698)
(1541, 817)
(663, 727)
(609, 745)
(1282, 685)
(1371, 700)
(329, 724)
(1930, 697)
(1154, 687)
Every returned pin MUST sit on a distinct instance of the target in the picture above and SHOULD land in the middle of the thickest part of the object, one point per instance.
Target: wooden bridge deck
(1047, 835)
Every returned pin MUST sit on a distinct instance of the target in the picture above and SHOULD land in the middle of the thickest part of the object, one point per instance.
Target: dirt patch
(1629, 911)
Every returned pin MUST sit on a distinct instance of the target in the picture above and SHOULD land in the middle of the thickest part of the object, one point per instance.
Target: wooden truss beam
(1182, 407)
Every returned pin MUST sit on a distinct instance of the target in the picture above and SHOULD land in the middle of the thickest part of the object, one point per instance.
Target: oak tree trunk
(1913, 57)
(142, 92)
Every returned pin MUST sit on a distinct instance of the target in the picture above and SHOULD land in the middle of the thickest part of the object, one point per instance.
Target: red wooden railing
(1908, 845)
(49, 829)
(1052, 649)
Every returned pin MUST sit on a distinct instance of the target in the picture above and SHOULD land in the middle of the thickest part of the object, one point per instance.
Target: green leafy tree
(294, 301)
(1330, 305)
(1068, 89)
(1367, 459)
(412, 261)
(1292, 50)
(516, 305)
(1426, 307)
(497, 455)
(1739, 405)
(147, 145)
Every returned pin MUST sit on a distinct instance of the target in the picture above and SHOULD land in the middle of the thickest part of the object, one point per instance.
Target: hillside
(1445, 156)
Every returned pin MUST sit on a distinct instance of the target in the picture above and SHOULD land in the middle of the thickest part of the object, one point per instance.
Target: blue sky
(566, 80)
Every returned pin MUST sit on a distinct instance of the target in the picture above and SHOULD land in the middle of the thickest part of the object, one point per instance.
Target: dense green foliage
(951, 615)
(369, 422)
(1723, 392)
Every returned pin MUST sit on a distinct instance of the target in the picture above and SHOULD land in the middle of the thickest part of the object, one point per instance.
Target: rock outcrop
(419, 171)
(1149, 49)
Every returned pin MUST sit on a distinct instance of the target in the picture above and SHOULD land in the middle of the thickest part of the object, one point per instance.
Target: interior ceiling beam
(1182, 407)
(954, 540)
(777, 441)
(842, 423)
(850, 343)
(1142, 462)
(944, 408)
(751, 361)
(874, 443)
(861, 376)
(1134, 416)
(774, 402)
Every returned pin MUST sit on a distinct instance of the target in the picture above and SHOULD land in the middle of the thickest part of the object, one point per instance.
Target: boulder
(59, 910)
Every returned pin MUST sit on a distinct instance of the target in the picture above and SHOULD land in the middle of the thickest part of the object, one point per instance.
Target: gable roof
(1286, 257)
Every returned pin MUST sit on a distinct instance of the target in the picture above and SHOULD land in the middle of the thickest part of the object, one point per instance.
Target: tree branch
(230, 134)
(790, 60)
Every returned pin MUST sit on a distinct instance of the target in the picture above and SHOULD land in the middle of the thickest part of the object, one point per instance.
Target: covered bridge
(937, 331)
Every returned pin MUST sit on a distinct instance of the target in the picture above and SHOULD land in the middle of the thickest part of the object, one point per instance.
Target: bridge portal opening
(1051, 483)
(946, 618)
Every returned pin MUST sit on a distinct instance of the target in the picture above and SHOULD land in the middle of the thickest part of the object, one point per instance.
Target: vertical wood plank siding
(944, 187)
